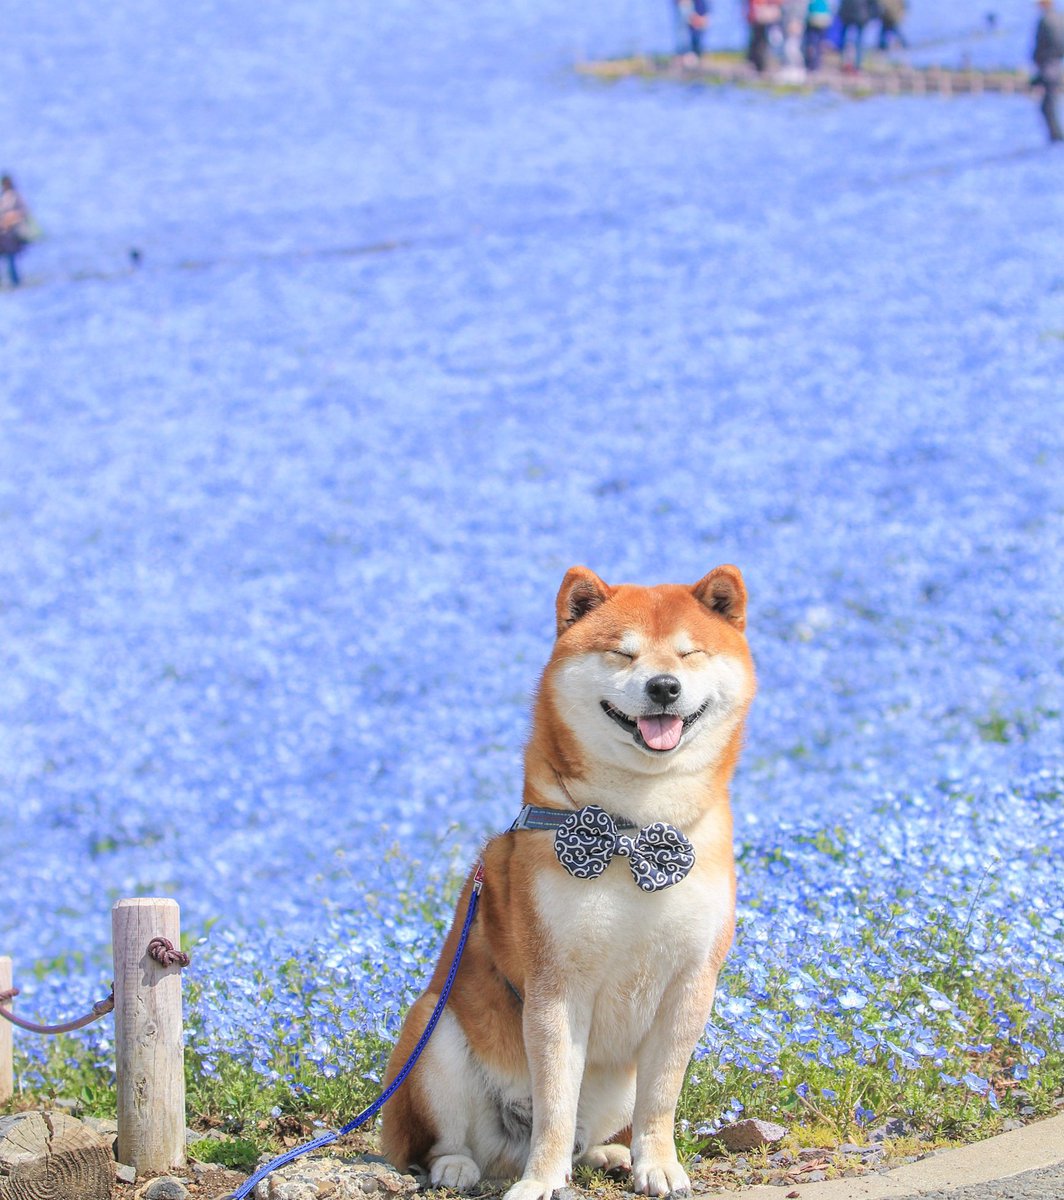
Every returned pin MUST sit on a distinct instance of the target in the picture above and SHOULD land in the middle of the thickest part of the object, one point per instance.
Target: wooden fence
(149, 1058)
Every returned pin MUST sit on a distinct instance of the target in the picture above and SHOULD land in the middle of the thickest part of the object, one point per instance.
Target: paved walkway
(1031, 1185)
(1026, 1164)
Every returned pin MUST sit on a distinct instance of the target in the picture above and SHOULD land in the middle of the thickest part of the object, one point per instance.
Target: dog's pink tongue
(661, 732)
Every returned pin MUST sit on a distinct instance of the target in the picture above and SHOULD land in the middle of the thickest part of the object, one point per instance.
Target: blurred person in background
(855, 15)
(1047, 54)
(891, 14)
(818, 19)
(695, 17)
(15, 226)
(762, 17)
(793, 27)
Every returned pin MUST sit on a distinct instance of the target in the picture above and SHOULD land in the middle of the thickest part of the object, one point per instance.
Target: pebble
(335, 1178)
(751, 1134)
(893, 1128)
(166, 1187)
(106, 1127)
(810, 1153)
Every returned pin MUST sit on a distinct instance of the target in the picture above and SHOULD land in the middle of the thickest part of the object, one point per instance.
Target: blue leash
(327, 1139)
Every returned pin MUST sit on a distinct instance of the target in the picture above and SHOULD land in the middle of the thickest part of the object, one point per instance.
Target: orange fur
(615, 985)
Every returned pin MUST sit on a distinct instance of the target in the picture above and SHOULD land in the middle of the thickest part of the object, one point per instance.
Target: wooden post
(7, 1067)
(149, 1053)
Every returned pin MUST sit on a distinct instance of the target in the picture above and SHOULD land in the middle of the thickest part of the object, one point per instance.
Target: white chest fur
(618, 948)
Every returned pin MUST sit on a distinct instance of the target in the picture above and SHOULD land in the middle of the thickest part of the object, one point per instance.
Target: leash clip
(478, 879)
(522, 818)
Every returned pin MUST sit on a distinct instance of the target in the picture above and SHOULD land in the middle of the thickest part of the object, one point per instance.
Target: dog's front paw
(660, 1179)
(607, 1158)
(534, 1189)
(455, 1171)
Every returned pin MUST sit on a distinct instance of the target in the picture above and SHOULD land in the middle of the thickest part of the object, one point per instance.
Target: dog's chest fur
(622, 947)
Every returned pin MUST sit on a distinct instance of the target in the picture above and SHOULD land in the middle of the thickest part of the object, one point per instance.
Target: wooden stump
(50, 1156)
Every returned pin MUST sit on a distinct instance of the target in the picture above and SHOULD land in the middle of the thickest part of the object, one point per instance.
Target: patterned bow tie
(659, 854)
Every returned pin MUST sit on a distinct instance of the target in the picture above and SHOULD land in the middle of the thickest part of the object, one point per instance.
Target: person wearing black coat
(854, 14)
(1048, 55)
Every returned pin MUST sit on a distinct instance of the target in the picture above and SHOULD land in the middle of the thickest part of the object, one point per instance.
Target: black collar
(533, 817)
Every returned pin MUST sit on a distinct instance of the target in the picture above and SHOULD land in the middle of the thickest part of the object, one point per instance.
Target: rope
(100, 1009)
(160, 949)
(371, 1110)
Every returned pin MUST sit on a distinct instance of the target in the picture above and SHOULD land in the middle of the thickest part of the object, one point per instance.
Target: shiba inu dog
(606, 911)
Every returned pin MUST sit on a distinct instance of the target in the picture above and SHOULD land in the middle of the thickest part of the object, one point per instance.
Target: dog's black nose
(663, 689)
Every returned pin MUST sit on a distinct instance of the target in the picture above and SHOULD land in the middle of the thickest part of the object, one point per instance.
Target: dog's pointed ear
(723, 592)
(581, 591)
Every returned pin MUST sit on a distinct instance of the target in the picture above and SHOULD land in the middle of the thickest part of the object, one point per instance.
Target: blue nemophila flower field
(422, 319)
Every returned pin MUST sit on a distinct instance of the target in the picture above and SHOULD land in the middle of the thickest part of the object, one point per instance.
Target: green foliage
(240, 1154)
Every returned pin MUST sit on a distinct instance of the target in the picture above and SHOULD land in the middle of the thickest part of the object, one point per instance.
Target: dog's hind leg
(457, 1171)
(450, 1091)
(431, 1119)
(607, 1097)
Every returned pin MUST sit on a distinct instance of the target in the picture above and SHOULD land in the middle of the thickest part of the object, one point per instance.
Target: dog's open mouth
(656, 731)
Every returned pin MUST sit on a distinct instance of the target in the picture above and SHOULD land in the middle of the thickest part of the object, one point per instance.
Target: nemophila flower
(241, 677)
(937, 1000)
(976, 1084)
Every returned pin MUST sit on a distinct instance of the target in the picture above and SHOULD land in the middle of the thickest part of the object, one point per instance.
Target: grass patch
(239, 1154)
